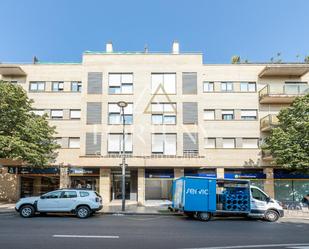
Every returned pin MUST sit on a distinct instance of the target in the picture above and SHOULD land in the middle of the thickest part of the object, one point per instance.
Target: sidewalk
(133, 209)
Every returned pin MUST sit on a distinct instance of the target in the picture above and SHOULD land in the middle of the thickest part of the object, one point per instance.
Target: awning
(11, 70)
(284, 70)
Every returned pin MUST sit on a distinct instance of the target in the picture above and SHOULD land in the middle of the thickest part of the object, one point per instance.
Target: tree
(235, 59)
(289, 142)
(306, 59)
(24, 135)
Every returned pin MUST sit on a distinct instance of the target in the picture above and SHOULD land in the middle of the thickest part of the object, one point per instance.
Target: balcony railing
(268, 122)
(283, 93)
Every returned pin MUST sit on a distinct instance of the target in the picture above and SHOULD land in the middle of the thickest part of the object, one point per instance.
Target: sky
(61, 30)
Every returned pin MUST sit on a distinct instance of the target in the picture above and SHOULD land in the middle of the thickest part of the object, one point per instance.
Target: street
(109, 231)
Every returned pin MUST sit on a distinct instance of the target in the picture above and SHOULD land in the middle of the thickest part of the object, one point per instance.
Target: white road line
(85, 236)
(251, 246)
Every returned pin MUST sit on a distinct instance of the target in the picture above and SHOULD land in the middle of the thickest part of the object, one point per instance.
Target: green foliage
(235, 59)
(24, 135)
(307, 59)
(289, 142)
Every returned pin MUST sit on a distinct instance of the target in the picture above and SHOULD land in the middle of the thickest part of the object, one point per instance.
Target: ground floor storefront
(142, 184)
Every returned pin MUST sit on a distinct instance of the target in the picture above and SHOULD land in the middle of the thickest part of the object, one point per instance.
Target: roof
(285, 70)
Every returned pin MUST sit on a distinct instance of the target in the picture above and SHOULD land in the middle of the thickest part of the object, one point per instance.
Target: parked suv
(83, 203)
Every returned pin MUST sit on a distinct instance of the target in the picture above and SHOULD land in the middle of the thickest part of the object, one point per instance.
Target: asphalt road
(64, 232)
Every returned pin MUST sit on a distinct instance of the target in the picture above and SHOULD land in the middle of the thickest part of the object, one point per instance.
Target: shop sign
(169, 174)
(38, 171)
(257, 175)
(211, 175)
(12, 170)
(84, 171)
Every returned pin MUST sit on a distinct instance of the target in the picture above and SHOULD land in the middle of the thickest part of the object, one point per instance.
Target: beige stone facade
(232, 137)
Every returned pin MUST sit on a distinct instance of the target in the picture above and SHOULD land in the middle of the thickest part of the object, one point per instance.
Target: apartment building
(183, 118)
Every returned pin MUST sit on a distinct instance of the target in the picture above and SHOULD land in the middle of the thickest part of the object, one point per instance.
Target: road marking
(251, 246)
(86, 236)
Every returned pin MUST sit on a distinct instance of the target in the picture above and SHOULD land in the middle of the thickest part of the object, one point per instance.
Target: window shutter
(93, 143)
(94, 83)
(189, 83)
(190, 115)
(94, 113)
(190, 143)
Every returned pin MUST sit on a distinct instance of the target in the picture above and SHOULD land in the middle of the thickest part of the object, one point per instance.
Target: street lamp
(122, 105)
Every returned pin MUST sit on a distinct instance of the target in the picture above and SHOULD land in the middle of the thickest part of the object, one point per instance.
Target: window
(209, 114)
(248, 114)
(59, 141)
(163, 113)
(75, 114)
(83, 194)
(209, 86)
(247, 87)
(52, 195)
(250, 142)
(115, 143)
(69, 194)
(37, 86)
(228, 143)
(166, 80)
(57, 86)
(115, 115)
(39, 112)
(56, 114)
(74, 142)
(76, 86)
(210, 143)
(258, 195)
(226, 86)
(121, 83)
(164, 144)
(227, 114)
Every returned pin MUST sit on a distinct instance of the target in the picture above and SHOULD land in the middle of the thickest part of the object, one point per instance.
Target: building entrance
(130, 185)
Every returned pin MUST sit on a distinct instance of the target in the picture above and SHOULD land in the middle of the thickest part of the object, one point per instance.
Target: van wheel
(83, 212)
(204, 216)
(271, 216)
(26, 211)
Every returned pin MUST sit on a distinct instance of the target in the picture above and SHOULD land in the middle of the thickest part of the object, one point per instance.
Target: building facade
(183, 118)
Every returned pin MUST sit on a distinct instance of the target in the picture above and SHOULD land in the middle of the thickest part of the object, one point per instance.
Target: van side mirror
(268, 199)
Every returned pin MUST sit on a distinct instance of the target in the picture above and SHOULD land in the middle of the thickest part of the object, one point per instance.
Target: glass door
(117, 186)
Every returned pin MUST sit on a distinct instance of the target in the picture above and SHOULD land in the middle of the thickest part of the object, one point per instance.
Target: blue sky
(60, 30)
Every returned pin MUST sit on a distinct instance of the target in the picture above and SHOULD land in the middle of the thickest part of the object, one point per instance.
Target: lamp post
(122, 105)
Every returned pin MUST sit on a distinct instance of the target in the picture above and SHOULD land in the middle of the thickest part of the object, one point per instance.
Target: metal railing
(269, 121)
(284, 89)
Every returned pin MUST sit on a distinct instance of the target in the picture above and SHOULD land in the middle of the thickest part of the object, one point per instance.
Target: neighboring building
(183, 118)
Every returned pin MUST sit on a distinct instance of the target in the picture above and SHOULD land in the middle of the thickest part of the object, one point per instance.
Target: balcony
(266, 155)
(282, 94)
(268, 122)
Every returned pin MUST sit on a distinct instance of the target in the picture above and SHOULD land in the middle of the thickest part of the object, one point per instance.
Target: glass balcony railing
(268, 122)
(283, 90)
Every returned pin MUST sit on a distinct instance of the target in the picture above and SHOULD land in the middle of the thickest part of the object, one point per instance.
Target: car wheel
(83, 212)
(26, 211)
(271, 216)
(204, 216)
